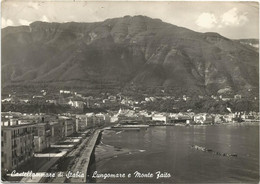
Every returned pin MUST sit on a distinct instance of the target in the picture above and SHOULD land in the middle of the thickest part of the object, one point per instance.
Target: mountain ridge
(130, 50)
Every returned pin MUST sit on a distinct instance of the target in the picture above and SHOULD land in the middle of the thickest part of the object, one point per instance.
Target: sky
(234, 20)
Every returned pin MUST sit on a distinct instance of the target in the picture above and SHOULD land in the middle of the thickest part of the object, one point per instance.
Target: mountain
(250, 43)
(126, 51)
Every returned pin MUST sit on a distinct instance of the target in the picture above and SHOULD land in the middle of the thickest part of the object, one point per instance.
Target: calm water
(167, 149)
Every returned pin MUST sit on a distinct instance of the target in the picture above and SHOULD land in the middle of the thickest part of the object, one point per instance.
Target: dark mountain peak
(128, 50)
(214, 34)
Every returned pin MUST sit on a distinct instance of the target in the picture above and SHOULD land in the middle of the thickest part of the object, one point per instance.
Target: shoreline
(220, 152)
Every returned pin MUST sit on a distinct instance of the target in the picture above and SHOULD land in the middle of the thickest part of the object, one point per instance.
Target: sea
(166, 154)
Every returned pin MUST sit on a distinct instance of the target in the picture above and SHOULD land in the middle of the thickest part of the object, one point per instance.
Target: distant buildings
(51, 101)
(160, 118)
(112, 98)
(228, 117)
(237, 96)
(65, 92)
(203, 118)
(181, 118)
(76, 104)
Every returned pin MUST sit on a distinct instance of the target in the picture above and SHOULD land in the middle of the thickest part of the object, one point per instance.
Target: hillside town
(34, 137)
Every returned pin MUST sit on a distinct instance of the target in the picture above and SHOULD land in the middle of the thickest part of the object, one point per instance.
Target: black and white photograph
(129, 91)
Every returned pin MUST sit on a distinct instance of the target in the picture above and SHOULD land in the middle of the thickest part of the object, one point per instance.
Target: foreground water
(168, 149)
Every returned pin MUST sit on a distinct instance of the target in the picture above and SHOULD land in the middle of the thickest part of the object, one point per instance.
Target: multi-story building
(81, 122)
(69, 125)
(101, 119)
(57, 131)
(90, 120)
(17, 144)
(42, 136)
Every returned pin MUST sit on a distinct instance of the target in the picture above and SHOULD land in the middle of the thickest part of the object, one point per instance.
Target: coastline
(105, 151)
(106, 154)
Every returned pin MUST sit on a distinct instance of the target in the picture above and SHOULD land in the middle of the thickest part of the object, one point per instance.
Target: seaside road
(74, 153)
(84, 159)
(43, 169)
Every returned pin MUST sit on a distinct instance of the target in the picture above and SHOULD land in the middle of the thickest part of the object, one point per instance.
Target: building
(42, 136)
(57, 131)
(90, 120)
(81, 123)
(69, 125)
(203, 118)
(99, 119)
(65, 92)
(112, 98)
(160, 117)
(237, 96)
(180, 119)
(114, 118)
(218, 118)
(228, 117)
(76, 104)
(17, 144)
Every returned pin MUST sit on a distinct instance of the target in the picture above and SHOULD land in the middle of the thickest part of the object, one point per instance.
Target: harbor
(180, 150)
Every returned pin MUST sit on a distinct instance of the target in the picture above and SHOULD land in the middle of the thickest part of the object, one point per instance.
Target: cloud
(207, 20)
(24, 22)
(234, 18)
(33, 5)
(6, 22)
(45, 19)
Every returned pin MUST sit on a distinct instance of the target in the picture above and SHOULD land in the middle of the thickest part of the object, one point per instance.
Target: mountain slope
(250, 43)
(130, 50)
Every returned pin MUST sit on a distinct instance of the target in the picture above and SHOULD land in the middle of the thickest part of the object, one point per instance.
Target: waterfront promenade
(81, 155)
(43, 169)
(84, 160)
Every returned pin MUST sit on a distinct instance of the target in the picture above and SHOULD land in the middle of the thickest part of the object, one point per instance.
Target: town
(53, 132)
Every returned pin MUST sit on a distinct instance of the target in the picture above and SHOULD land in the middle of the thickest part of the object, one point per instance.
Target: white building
(160, 117)
(203, 118)
(76, 104)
